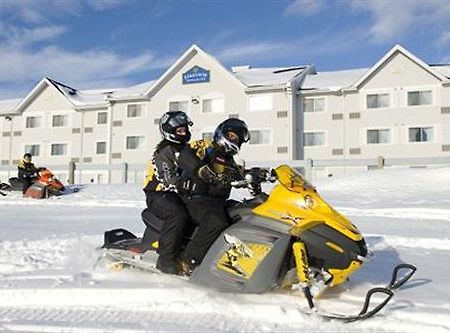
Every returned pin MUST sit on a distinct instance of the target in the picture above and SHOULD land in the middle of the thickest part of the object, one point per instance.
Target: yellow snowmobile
(289, 239)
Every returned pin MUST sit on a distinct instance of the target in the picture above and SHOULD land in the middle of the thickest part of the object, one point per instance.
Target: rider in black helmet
(161, 188)
(27, 172)
(230, 135)
(208, 169)
(174, 127)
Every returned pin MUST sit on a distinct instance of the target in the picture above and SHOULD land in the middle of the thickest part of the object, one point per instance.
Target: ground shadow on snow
(378, 270)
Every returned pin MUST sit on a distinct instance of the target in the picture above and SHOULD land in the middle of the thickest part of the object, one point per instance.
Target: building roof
(137, 90)
(444, 69)
(393, 51)
(80, 97)
(332, 81)
(301, 77)
(182, 60)
(273, 76)
(7, 106)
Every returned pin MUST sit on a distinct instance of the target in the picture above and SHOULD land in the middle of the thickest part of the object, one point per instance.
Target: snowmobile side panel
(36, 191)
(244, 258)
(267, 223)
(327, 248)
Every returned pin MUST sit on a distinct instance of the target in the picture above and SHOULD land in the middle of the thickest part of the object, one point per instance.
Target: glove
(256, 175)
(208, 175)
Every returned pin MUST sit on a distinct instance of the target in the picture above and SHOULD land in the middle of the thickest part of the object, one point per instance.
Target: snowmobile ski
(365, 313)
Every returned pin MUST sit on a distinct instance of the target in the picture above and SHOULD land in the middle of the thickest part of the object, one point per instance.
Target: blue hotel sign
(196, 75)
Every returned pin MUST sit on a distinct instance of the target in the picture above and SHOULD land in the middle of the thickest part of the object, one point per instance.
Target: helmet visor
(233, 137)
(179, 120)
(237, 135)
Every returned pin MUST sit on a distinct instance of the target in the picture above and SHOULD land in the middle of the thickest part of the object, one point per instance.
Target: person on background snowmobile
(207, 171)
(27, 172)
(160, 189)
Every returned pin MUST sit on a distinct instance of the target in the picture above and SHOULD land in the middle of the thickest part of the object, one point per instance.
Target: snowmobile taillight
(136, 249)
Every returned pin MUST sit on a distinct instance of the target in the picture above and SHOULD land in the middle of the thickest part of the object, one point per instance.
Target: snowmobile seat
(154, 226)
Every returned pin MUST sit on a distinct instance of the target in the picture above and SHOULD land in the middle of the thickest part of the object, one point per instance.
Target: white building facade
(400, 107)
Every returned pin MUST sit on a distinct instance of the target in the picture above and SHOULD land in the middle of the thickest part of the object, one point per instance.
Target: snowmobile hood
(295, 201)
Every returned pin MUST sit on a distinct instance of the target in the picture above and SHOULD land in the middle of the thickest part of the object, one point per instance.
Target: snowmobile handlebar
(254, 177)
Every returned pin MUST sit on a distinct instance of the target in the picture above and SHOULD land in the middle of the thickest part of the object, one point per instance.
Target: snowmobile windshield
(292, 179)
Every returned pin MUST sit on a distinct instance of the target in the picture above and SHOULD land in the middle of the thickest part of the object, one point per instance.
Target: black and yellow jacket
(162, 172)
(175, 168)
(26, 170)
(198, 154)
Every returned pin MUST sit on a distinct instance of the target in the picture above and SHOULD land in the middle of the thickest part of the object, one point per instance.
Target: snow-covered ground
(48, 250)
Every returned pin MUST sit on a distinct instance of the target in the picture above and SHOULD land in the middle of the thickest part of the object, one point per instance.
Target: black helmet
(27, 156)
(170, 121)
(223, 139)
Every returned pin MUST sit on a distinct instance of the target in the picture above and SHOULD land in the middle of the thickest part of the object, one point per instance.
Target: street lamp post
(10, 145)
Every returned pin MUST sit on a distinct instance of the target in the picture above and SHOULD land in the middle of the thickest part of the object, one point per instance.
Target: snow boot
(168, 266)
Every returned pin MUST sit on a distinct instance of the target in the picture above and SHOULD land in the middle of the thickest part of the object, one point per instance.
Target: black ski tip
(366, 312)
(395, 281)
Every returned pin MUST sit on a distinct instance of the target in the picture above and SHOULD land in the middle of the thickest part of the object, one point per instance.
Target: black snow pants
(169, 207)
(211, 218)
(27, 182)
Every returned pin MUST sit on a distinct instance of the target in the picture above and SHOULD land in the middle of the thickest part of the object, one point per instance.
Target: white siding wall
(398, 76)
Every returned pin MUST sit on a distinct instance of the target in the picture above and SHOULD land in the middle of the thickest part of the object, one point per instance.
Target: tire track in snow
(399, 213)
(81, 203)
(409, 242)
(178, 317)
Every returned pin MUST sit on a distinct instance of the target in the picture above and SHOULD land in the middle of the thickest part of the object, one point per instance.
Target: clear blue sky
(114, 43)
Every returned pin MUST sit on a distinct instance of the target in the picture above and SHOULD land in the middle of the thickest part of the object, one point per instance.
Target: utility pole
(9, 118)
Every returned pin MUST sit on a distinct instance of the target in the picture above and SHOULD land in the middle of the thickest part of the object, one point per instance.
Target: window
(179, 106)
(260, 137)
(260, 103)
(134, 111)
(59, 149)
(60, 120)
(102, 118)
(101, 148)
(420, 134)
(207, 136)
(375, 101)
(34, 150)
(135, 142)
(419, 97)
(314, 104)
(314, 139)
(213, 105)
(33, 122)
(378, 136)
